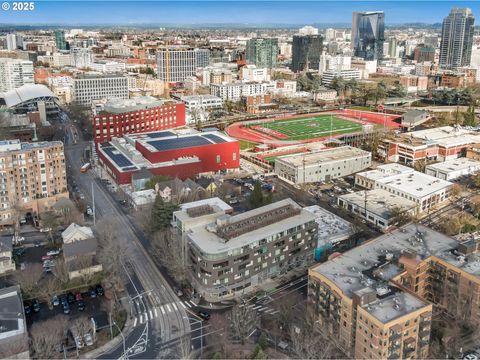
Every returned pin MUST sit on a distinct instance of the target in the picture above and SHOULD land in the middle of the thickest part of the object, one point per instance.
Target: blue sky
(228, 11)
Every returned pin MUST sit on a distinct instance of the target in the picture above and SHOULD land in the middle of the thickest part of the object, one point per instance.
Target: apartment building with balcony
(231, 255)
(377, 299)
(32, 178)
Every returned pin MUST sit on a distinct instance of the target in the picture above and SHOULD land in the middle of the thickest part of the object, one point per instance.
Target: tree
(243, 321)
(168, 248)
(399, 216)
(49, 288)
(469, 118)
(257, 198)
(161, 215)
(28, 279)
(339, 85)
(420, 165)
(60, 271)
(46, 335)
(50, 221)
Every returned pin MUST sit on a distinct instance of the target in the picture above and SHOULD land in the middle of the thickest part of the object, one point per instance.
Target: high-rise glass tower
(60, 40)
(306, 52)
(368, 34)
(457, 39)
(262, 52)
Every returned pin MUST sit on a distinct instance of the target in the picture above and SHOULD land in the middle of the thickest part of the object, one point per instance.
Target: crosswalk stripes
(183, 305)
(163, 310)
(175, 306)
(257, 307)
(149, 308)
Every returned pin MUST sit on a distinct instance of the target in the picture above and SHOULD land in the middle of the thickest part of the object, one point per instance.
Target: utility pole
(93, 206)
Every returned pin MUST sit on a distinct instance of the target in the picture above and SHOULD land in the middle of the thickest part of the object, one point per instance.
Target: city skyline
(73, 13)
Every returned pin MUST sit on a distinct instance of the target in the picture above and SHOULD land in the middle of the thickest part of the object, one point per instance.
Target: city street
(159, 317)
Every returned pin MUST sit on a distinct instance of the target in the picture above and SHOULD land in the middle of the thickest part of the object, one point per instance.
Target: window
(218, 159)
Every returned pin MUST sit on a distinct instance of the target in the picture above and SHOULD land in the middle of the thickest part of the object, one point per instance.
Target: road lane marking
(175, 306)
(135, 322)
(146, 316)
(193, 304)
(163, 310)
(183, 305)
(251, 306)
(275, 312)
(168, 308)
(141, 318)
(151, 315)
(257, 307)
(262, 309)
(155, 311)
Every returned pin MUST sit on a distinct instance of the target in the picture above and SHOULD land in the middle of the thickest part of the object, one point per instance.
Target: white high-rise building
(330, 34)
(177, 64)
(308, 30)
(87, 88)
(62, 59)
(252, 73)
(15, 73)
(11, 41)
(81, 57)
(334, 63)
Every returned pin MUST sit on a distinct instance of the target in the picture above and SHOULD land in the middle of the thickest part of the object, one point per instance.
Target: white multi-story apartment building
(108, 66)
(61, 59)
(176, 64)
(334, 63)
(206, 102)
(81, 57)
(234, 91)
(11, 41)
(15, 73)
(87, 88)
(329, 75)
(252, 73)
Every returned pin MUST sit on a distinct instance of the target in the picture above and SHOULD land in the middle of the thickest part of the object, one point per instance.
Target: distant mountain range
(206, 26)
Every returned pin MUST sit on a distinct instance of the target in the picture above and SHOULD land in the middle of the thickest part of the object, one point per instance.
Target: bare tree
(13, 348)
(28, 279)
(184, 348)
(310, 340)
(60, 271)
(82, 325)
(167, 246)
(243, 321)
(218, 337)
(49, 288)
(50, 221)
(46, 335)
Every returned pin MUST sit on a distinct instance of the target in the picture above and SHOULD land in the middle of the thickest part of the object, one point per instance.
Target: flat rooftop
(415, 183)
(174, 139)
(210, 243)
(331, 228)
(323, 156)
(444, 136)
(11, 313)
(379, 201)
(118, 106)
(455, 165)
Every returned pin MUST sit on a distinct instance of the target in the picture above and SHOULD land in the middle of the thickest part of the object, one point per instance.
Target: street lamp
(125, 356)
(197, 321)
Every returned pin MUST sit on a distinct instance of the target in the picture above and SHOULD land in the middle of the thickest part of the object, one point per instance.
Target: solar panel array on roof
(179, 143)
(215, 138)
(119, 159)
(160, 134)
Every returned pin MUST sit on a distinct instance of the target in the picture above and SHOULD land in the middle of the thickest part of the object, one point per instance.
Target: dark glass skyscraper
(457, 39)
(262, 52)
(306, 52)
(368, 34)
(60, 40)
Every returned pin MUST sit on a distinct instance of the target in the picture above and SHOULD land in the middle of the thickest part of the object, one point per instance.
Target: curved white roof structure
(26, 93)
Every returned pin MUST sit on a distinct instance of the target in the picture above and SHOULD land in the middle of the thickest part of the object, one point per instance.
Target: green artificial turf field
(312, 127)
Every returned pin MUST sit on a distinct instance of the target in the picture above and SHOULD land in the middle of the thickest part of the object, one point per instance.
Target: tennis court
(308, 127)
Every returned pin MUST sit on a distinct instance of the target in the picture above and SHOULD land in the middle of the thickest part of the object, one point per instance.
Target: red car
(78, 296)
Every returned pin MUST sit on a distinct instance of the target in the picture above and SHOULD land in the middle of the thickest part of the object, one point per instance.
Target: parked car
(37, 243)
(204, 315)
(70, 298)
(46, 257)
(55, 300)
(20, 251)
(36, 305)
(178, 291)
(79, 342)
(54, 252)
(46, 229)
(27, 308)
(92, 292)
(78, 296)
(81, 305)
(66, 308)
(88, 339)
(99, 290)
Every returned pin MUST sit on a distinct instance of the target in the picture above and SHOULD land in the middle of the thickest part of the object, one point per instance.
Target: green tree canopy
(257, 198)
(161, 215)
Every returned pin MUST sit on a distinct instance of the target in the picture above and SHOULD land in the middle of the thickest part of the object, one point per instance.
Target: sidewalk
(117, 340)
